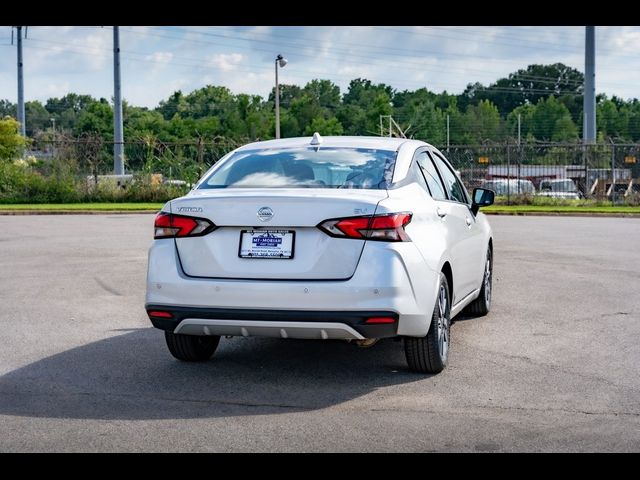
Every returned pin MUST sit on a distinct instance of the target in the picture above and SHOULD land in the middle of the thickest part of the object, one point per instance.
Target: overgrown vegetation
(548, 99)
(186, 133)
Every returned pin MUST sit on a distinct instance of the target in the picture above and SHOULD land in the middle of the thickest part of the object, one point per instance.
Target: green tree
(565, 130)
(482, 122)
(66, 110)
(325, 93)
(548, 114)
(526, 86)
(11, 142)
(96, 118)
(37, 118)
(362, 106)
(426, 122)
(526, 113)
(324, 126)
(612, 119)
(175, 104)
(287, 94)
(7, 109)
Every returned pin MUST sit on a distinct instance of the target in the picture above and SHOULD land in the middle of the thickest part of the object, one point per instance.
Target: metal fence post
(586, 171)
(613, 173)
(518, 179)
(508, 174)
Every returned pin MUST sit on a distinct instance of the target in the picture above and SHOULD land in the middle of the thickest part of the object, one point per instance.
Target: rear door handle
(441, 213)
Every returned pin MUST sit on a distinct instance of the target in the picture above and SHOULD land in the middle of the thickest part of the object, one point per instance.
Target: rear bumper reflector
(380, 320)
(385, 326)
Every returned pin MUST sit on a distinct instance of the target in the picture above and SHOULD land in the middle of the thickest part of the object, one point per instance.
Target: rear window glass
(305, 168)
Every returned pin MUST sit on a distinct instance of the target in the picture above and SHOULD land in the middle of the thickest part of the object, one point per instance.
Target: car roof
(381, 143)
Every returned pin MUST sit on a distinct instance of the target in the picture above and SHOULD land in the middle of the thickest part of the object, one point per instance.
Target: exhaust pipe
(366, 342)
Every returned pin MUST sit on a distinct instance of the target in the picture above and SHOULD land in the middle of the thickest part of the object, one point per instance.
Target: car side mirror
(482, 197)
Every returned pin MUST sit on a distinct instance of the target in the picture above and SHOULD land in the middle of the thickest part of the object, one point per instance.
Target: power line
(301, 73)
(422, 67)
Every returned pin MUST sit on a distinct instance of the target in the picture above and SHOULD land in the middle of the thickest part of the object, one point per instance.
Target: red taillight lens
(380, 320)
(169, 225)
(388, 227)
(159, 314)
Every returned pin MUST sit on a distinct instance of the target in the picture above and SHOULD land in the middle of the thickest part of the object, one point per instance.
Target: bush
(22, 184)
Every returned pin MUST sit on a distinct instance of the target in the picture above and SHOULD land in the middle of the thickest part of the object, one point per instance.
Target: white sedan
(353, 238)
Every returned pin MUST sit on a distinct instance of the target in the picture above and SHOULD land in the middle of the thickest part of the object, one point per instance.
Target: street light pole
(118, 138)
(20, 107)
(280, 60)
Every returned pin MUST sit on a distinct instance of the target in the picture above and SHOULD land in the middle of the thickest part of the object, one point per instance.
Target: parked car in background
(511, 186)
(559, 188)
(352, 238)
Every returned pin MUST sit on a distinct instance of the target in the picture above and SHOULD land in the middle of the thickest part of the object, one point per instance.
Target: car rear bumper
(274, 323)
(390, 277)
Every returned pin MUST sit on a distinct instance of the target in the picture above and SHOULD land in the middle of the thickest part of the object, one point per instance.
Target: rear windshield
(305, 168)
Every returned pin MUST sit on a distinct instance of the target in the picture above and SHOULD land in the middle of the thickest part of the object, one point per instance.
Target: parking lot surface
(553, 367)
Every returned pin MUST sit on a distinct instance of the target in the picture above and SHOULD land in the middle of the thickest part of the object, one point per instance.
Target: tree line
(546, 98)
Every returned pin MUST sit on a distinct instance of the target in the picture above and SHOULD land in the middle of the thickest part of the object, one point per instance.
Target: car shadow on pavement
(132, 376)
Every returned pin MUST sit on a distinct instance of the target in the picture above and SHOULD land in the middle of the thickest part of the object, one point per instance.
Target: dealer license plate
(276, 244)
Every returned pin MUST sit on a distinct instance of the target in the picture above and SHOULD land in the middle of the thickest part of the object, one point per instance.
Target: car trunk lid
(315, 255)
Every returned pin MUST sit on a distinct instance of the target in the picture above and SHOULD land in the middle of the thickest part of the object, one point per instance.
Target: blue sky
(156, 61)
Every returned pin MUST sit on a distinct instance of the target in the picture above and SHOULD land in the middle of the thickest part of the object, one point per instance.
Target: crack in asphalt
(164, 399)
(500, 407)
(107, 287)
(311, 408)
(549, 365)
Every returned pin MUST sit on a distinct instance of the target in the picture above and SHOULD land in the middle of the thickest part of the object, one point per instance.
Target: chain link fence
(564, 171)
(92, 156)
(517, 173)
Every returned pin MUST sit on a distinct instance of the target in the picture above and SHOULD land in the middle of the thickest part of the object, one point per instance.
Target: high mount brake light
(387, 227)
(169, 225)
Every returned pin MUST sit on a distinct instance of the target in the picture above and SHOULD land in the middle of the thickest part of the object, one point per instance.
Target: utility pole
(589, 125)
(277, 99)
(280, 61)
(20, 112)
(118, 139)
(447, 132)
(519, 129)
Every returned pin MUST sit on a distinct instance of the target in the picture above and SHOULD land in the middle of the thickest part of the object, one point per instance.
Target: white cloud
(98, 46)
(158, 60)
(160, 57)
(227, 61)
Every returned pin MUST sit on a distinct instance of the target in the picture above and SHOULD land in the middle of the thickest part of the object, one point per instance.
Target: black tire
(191, 348)
(481, 305)
(430, 354)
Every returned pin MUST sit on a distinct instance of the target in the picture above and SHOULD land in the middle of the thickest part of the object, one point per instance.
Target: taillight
(380, 320)
(171, 225)
(388, 227)
(159, 314)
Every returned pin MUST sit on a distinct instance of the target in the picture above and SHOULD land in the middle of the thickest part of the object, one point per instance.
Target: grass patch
(603, 209)
(94, 207)
(154, 207)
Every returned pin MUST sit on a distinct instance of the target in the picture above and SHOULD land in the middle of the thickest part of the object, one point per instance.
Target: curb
(565, 214)
(152, 212)
(76, 212)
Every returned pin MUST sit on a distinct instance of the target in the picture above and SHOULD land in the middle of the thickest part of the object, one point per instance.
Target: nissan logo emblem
(265, 214)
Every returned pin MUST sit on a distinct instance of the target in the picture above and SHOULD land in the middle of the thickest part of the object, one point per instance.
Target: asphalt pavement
(553, 367)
